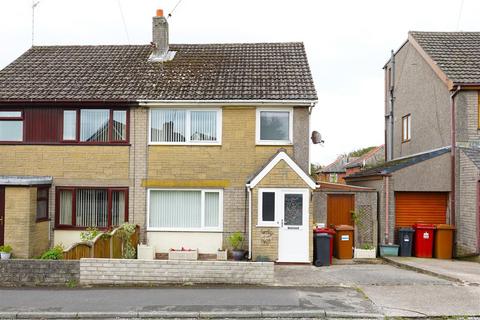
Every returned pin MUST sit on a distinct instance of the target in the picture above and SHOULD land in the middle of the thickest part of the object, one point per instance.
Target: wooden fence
(105, 245)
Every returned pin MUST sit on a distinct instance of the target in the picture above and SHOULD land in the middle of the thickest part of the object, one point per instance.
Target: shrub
(6, 249)
(89, 234)
(55, 253)
(236, 240)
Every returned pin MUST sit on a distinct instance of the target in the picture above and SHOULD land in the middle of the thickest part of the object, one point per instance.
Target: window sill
(67, 228)
(267, 226)
(91, 144)
(274, 143)
(42, 220)
(216, 144)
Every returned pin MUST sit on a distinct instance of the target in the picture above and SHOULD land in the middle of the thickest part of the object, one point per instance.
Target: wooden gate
(339, 209)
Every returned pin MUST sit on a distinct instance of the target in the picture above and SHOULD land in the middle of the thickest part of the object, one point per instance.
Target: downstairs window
(185, 210)
(91, 207)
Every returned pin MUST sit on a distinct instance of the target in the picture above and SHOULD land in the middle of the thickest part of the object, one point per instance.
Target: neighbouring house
(432, 138)
(192, 142)
(347, 164)
(371, 158)
(335, 171)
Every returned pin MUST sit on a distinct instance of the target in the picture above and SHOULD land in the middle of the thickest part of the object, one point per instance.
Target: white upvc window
(274, 126)
(185, 210)
(180, 126)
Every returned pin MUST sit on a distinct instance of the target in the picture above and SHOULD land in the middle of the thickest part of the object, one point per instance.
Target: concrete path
(462, 271)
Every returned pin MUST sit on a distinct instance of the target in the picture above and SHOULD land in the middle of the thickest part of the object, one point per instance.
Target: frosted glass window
(178, 209)
(274, 125)
(69, 125)
(94, 125)
(11, 130)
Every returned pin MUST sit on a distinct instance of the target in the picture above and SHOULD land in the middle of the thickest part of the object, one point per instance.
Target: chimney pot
(159, 12)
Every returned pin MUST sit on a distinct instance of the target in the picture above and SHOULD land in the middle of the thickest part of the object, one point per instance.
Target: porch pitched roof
(25, 181)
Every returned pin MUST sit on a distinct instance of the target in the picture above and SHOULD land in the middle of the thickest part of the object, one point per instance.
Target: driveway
(393, 291)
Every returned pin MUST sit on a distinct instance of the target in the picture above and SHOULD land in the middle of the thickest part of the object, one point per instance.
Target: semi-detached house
(192, 142)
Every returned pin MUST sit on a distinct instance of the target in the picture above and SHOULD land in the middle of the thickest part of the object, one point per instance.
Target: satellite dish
(317, 138)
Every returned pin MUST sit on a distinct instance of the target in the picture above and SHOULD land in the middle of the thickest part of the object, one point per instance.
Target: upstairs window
(407, 128)
(185, 126)
(11, 126)
(274, 126)
(95, 125)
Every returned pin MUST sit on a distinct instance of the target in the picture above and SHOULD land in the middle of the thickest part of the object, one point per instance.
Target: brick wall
(157, 272)
(17, 272)
(265, 239)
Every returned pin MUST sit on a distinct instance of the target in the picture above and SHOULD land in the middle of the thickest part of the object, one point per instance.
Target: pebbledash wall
(18, 272)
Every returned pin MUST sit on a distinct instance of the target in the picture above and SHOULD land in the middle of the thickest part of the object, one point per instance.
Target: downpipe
(453, 149)
(249, 191)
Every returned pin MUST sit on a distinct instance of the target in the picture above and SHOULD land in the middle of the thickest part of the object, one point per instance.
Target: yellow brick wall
(235, 160)
(66, 162)
(18, 206)
(27, 237)
(265, 239)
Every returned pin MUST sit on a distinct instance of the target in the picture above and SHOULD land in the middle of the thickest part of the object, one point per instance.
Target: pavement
(410, 288)
(456, 270)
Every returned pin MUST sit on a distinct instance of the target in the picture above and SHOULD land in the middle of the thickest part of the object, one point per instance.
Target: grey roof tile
(257, 71)
(456, 53)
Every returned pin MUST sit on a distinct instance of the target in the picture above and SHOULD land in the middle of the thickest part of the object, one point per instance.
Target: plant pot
(222, 255)
(145, 252)
(5, 256)
(183, 255)
(238, 255)
(365, 253)
(389, 250)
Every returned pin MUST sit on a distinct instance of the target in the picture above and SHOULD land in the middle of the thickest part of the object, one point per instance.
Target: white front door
(293, 234)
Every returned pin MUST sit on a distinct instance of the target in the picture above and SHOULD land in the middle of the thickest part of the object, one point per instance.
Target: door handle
(1, 221)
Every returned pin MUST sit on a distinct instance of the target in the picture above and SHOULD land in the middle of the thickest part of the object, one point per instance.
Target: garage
(420, 207)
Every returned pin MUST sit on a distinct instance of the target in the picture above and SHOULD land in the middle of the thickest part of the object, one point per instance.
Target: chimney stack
(160, 39)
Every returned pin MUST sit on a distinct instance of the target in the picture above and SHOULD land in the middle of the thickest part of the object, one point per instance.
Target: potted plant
(182, 254)
(236, 242)
(5, 252)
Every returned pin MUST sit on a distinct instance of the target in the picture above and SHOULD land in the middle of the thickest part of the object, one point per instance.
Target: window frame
(109, 190)
(188, 128)
(47, 199)
(202, 228)
(110, 127)
(21, 118)
(408, 127)
(259, 141)
(279, 204)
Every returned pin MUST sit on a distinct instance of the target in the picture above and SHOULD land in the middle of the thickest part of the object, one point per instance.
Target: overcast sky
(347, 42)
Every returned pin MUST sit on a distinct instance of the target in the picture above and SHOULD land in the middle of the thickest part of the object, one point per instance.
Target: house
(190, 141)
(335, 171)
(371, 158)
(432, 138)
(348, 164)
